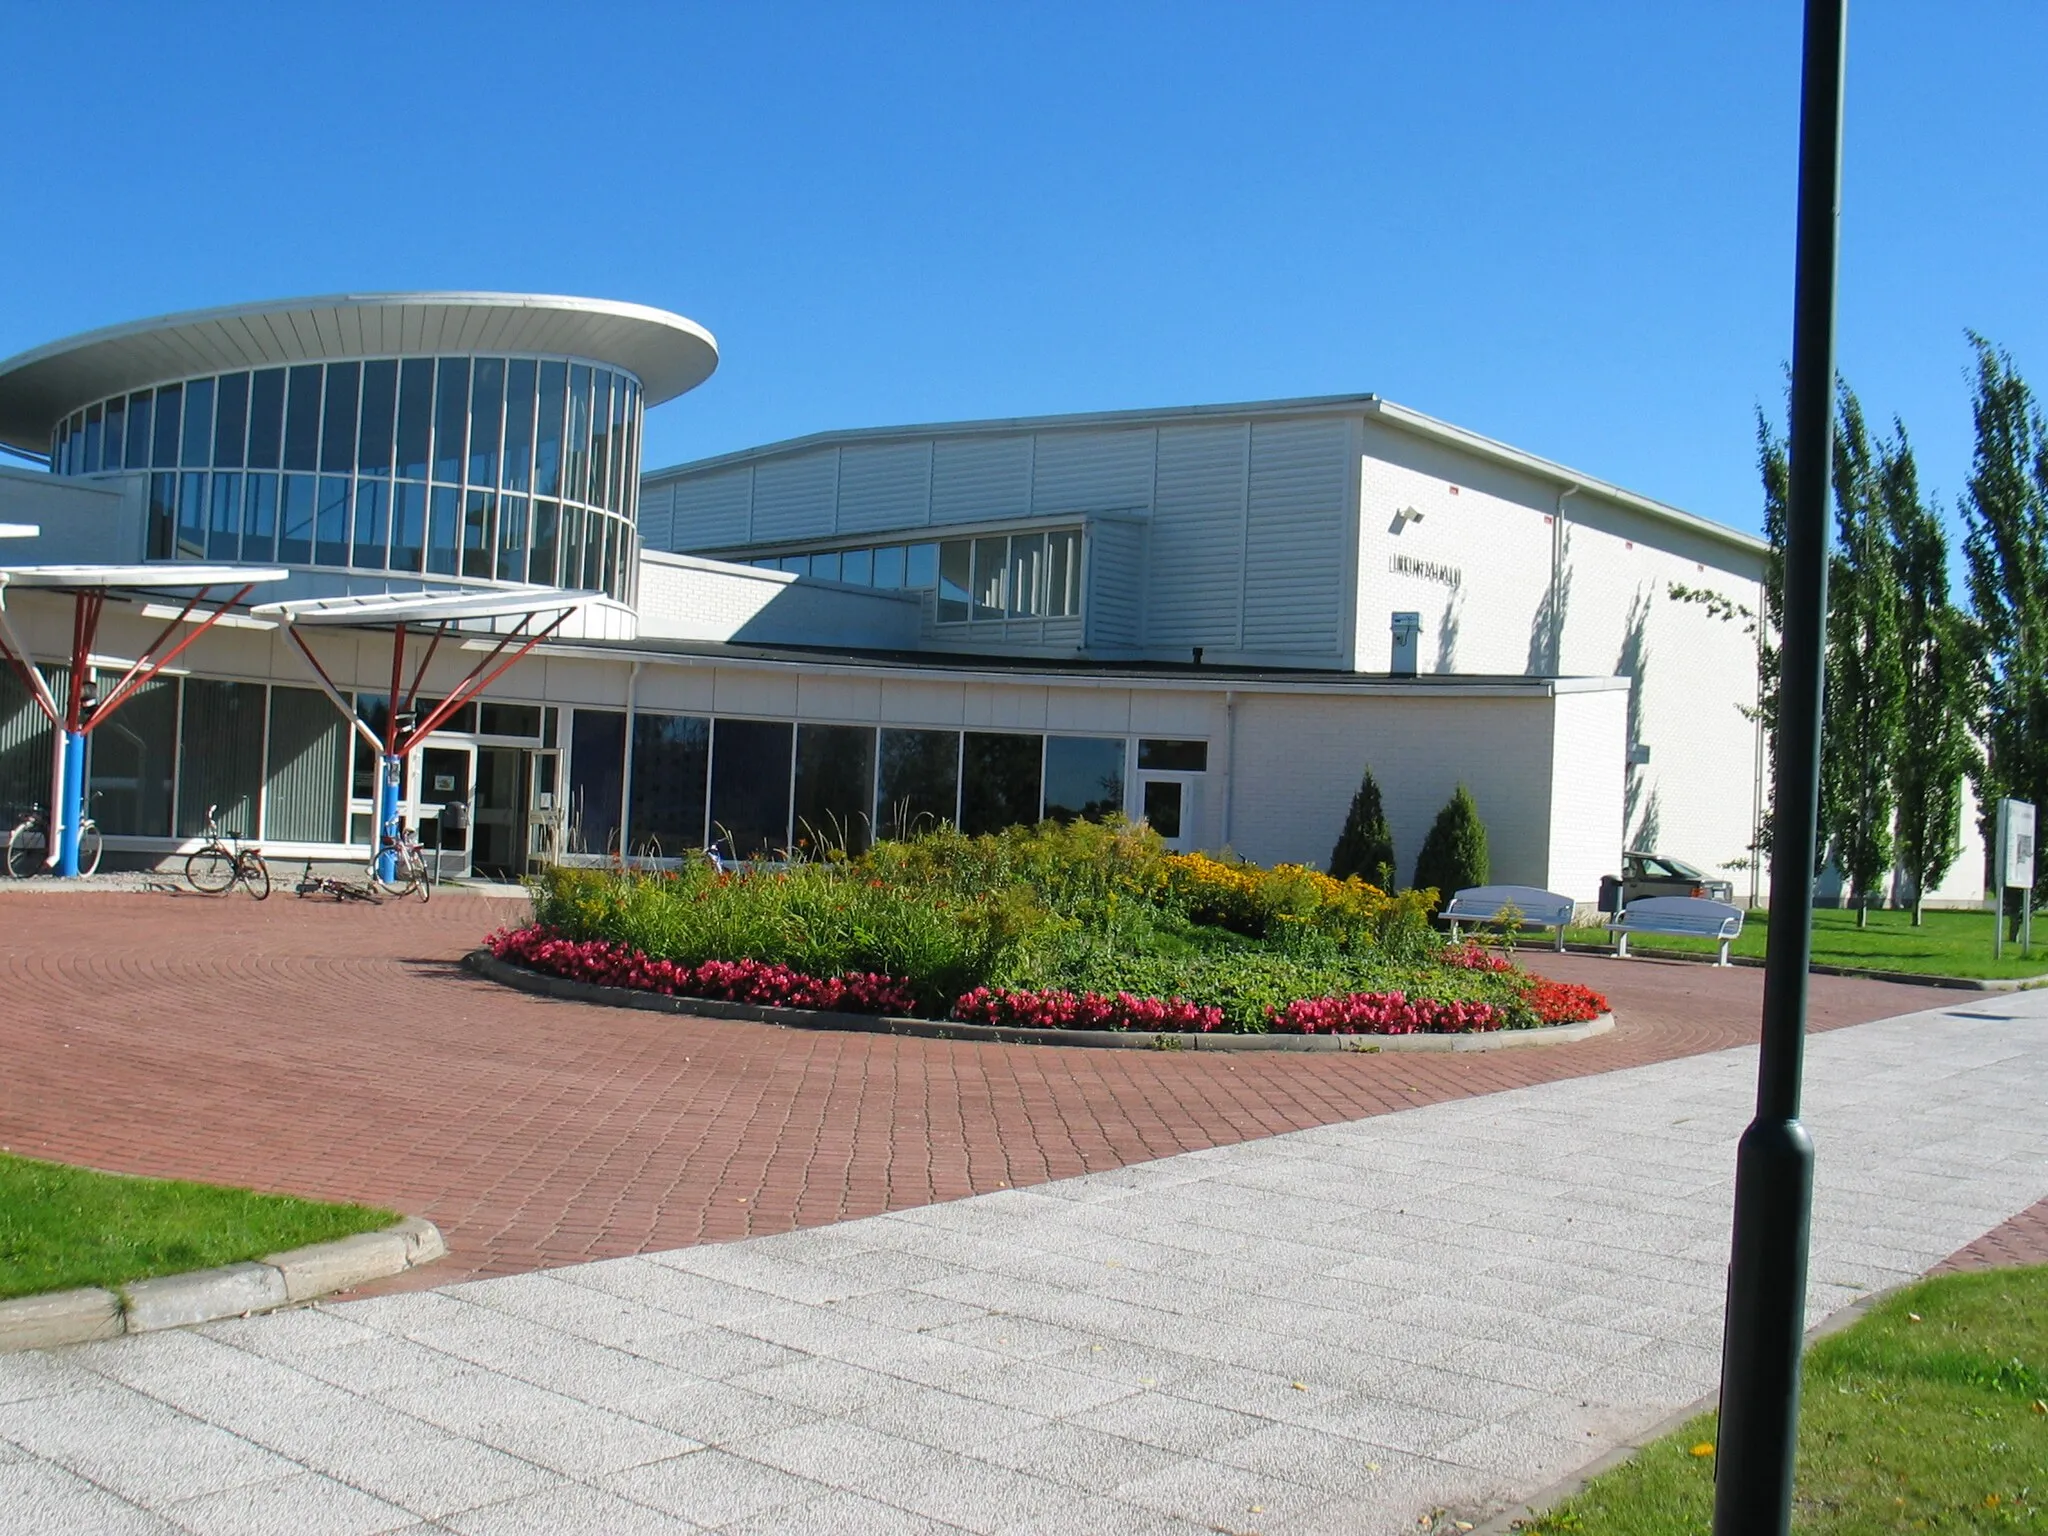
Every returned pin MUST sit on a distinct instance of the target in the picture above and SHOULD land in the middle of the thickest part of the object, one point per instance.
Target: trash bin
(1610, 894)
(455, 816)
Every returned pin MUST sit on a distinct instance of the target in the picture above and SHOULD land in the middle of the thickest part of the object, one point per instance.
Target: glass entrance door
(446, 775)
(497, 836)
(1170, 804)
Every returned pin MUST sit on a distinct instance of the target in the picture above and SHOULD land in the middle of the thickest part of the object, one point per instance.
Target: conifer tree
(1935, 748)
(1453, 856)
(1865, 696)
(1365, 846)
(2005, 550)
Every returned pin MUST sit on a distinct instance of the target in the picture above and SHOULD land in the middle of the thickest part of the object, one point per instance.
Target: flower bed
(1057, 1009)
(1082, 926)
(1385, 1013)
(730, 981)
(752, 981)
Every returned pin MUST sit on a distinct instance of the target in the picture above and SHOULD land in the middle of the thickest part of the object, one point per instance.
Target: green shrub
(1365, 846)
(1453, 856)
(813, 918)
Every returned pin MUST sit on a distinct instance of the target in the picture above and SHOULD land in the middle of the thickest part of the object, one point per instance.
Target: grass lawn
(1930, 1414)
(1947, 944)
(62, 1227)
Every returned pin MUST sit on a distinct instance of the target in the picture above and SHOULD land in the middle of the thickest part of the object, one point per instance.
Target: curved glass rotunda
(454, 438)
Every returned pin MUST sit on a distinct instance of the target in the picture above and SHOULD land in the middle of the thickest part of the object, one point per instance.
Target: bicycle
(311, 884)
(408, 865)
(29, 848)
(222, 862)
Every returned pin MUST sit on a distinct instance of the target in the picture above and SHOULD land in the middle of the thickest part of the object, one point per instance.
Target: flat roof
(1177, 674)
(38, 388)
(1371, 406)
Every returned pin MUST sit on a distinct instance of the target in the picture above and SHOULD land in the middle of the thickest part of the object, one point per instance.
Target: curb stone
(491, 968)
(209, 1295)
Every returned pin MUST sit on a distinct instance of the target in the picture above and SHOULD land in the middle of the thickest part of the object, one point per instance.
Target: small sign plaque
(444, 783)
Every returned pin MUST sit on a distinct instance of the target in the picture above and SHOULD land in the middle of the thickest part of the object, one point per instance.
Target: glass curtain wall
(671, 770)
(220, 755)
(918, 783)
(307, 755)
(835, 787)
(441, 467)
(131, 760)
(597, 771)
(750, 782)
(1084, 777)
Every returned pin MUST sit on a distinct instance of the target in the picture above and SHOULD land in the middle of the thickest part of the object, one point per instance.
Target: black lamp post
(1766, 1314)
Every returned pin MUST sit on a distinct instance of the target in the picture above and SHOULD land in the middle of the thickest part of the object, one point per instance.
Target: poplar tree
(1365, 845)
(1935, 749)
(2005, 551)
(1865, 697)
(1774, 465)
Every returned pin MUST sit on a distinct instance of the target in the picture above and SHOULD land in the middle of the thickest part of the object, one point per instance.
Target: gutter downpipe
(626, 772)
(1229, 759)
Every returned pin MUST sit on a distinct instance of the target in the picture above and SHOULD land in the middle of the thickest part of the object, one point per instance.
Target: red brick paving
(340, 1052)
(2022, 1240)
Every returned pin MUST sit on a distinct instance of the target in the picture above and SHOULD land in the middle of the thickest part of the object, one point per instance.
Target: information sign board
(2016, 843)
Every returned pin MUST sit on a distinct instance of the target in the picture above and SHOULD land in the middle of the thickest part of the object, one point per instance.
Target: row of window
(569, 431)
(385, 525)
(272, 758)
(753, 787)
(996, 577)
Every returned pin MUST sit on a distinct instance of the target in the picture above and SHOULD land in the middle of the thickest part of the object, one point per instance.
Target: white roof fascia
(1179, 682)
(1546, 469)
(1307, 405)
(1372, 406)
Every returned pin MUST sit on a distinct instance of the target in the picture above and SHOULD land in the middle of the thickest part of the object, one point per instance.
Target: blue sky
(1568, 226)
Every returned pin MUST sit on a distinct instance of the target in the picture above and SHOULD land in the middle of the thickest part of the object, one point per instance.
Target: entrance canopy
(83, 710)
(525, 608)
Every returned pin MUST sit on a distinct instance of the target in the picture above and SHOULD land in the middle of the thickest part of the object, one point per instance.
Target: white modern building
(1215, 617)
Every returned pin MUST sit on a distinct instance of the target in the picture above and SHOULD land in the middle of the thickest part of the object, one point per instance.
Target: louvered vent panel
(1296, 550)
(708, 511)
(1198, 534)
(980, 479)
(793, 496)
(884, 486)
(1091, 472)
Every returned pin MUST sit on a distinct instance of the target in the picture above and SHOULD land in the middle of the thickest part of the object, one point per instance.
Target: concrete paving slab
(1326, 1331)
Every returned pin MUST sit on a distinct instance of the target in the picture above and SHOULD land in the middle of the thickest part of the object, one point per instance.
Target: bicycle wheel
(422, 887)
(210, 870)
(88, 848)
(255, 874)
(25, 849)
(404, 877)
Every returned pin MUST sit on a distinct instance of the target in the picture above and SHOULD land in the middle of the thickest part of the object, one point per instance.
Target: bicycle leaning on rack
(408, 865)
(222, 862)
(30, 849)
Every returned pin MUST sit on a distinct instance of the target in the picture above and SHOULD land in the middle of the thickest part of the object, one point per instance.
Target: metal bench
(1482, 904)
(1690, 917)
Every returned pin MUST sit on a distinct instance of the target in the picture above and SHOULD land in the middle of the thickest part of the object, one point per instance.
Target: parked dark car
(1658, 874)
